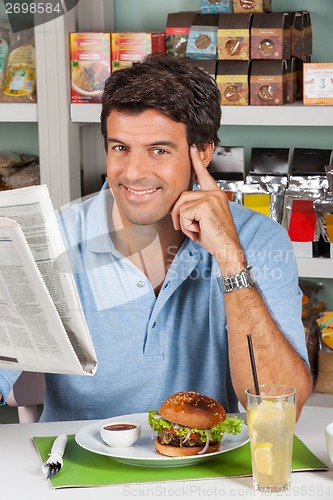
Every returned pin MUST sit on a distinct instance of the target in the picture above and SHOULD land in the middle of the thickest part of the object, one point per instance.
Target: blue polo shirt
(149, 347)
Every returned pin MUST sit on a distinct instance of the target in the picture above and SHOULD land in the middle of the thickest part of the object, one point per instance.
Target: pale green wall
(134, 15)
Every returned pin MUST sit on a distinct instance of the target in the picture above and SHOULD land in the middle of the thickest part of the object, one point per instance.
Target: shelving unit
(27, 112)
(295, 114)
(68, 133)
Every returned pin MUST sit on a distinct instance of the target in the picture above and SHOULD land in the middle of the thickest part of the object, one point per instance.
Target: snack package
(90, 66)
(307, 184)
(264, 194)
(26, 176)
(266, 183)
(311, 305)
(299, 217)
(216, 6)
(227, 167)
(324, 209)
(177, 31)
(232, 81)
(4, 49)
(324, 382)
(202, 38)
(19, 78)
(312, 308)
(11, 164)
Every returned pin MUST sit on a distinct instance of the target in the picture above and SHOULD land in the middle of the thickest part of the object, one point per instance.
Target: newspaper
(42, 325)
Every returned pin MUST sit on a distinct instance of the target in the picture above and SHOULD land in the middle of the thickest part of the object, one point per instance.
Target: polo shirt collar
(98, 230)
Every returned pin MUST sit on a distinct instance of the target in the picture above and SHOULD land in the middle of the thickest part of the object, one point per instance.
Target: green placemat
(84, 468)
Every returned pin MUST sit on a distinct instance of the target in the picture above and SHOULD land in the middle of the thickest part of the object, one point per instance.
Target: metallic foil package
(299, 216)
(324, 208)
(265, 194)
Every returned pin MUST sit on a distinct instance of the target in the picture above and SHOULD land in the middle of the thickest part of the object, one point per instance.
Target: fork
(54, 468)
(54, 462)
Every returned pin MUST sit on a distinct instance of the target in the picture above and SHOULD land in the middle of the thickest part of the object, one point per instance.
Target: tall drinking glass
(271, 422)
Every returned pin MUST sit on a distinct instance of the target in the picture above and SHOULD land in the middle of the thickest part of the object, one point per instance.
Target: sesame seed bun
(193, 410)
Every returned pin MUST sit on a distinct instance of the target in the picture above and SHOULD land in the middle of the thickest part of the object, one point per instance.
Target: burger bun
(184, 451)
(192, 409)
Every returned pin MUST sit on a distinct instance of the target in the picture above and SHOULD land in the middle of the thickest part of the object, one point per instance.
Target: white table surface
(21, 476)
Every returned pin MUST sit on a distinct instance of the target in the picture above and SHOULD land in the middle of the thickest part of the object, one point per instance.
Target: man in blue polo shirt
(172, 280)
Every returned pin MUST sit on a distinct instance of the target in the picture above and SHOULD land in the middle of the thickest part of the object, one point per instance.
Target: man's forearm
(276, 359)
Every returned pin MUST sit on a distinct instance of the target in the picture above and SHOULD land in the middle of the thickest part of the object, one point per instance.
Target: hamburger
(189, 423)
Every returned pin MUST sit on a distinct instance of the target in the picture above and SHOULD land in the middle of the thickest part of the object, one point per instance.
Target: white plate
(143, 453)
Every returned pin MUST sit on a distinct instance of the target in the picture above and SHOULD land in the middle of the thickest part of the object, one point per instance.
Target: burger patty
(172, 439)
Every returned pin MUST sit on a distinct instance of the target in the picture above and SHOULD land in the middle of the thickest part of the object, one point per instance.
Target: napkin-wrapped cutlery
(54, 463)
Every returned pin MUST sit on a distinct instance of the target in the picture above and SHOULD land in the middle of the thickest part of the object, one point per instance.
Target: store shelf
(295, 114)
(85, 113)
(13, 112)
(314, 267)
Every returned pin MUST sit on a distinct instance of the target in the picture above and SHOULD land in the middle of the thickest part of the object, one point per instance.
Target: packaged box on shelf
(291, 80)
(202, 39)
(233, 82)
(307, 185)
(227, 167)
(216, 6)
(130, 47)
(90, 66)
(206, 65)
(318, 83)
(177, 31)
(299, 76)
(297, 35)
(270, 36)
(252, 6)
(233, 36)
(266, 183)
(268, 83)
(307, 27)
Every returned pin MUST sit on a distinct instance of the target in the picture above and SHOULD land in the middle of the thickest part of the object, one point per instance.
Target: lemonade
(271, 425)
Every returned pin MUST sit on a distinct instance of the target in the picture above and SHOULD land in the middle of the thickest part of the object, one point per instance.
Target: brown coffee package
(206, 65)
(233, 36)
(268, 83)
(232, 81)
(291, 77)
(177, 31)
(270, 36)
(307, 27)
(252, 6)
(300, 76)
(297, 35)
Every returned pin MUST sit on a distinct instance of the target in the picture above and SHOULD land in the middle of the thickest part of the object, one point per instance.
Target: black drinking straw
(253, 365)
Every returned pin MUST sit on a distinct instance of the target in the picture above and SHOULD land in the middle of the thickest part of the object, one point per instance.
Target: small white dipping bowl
(329, 440)
(120, 434)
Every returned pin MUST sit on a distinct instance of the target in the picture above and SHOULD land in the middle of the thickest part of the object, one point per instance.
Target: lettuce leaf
(231, 425)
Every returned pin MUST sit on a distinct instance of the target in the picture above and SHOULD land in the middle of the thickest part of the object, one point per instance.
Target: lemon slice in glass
(263, 458)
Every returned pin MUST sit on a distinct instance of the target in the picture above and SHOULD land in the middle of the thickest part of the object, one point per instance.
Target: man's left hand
(204, 216)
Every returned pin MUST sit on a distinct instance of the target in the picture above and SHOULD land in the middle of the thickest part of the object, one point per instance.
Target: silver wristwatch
(244, 279)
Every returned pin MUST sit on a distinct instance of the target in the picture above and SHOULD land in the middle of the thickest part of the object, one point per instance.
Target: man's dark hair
(173, 86)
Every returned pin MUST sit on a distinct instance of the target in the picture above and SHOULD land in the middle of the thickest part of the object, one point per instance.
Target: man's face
(148, 164)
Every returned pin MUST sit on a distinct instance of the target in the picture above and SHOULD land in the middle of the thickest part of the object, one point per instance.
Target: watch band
(244, 279)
